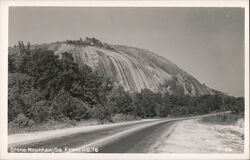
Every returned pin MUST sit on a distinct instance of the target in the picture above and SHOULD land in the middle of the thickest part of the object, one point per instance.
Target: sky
(208, 43)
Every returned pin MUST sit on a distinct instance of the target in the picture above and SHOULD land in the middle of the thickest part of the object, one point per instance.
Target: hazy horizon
(208, 43)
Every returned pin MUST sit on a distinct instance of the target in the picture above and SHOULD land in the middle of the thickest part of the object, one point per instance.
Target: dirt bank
(195, 136)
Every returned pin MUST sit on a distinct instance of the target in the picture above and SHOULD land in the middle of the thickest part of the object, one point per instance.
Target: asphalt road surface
(130, 138)
(138, 137)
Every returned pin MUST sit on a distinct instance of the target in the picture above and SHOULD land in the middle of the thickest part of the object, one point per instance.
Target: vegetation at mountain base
(43, 88)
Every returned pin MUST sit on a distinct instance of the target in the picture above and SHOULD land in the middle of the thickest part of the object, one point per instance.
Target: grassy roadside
(53, 125)
(226, 125)
(215, 134)
(223, 119)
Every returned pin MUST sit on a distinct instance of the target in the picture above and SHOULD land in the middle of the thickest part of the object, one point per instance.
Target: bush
(146, 103)
(40, 112)
(59, 104)
(162, 111)
(183, 111)
(77, 110)
(122, 117)
(101, 112)
(239, 106)
(22, 121)
(15, 106)
(118, 117)
(123, 101)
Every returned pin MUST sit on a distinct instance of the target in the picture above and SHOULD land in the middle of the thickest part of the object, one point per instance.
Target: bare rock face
(133, 68)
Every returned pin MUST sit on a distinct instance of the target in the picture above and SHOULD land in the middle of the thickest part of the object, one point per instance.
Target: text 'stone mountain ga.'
(133, 68)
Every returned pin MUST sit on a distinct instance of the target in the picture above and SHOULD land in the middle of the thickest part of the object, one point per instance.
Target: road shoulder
(194, 136)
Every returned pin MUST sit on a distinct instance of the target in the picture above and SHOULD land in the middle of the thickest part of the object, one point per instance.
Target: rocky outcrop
(131, 67)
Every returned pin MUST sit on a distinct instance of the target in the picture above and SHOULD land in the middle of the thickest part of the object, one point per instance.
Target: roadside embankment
(213, 134)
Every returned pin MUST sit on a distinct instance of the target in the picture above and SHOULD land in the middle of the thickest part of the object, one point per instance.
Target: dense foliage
(44, 87)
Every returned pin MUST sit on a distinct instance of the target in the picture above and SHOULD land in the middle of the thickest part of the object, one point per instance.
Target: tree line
(44, 87)
(91, 42)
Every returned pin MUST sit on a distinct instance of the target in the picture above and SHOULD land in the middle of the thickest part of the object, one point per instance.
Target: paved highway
(128, 138)
(139, 137)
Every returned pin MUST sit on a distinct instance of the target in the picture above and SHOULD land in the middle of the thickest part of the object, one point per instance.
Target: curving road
(139, 137)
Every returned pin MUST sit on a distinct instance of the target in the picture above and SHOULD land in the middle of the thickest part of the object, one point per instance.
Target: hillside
(62, 83)
(133, 68)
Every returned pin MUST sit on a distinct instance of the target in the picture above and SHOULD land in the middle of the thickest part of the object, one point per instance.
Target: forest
(43, 87)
